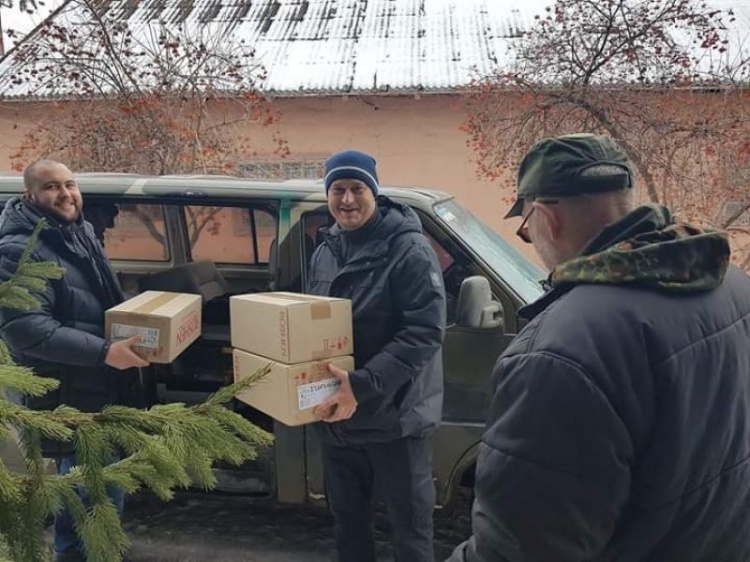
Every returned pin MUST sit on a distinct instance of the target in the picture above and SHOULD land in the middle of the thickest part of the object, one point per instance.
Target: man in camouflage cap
(620, 424)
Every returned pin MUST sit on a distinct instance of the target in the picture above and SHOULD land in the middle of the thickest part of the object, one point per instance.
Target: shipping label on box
(288, 393)
(314, 393)
(149, 336)
(290, 327)
(167, 323)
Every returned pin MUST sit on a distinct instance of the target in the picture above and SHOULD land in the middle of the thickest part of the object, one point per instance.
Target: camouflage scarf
(648, 248)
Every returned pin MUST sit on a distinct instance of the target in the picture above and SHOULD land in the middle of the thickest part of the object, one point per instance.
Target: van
(221, 236)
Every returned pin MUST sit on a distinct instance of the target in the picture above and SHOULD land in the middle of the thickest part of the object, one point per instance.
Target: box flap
(320, 307)
(157, 303)
(304, 298)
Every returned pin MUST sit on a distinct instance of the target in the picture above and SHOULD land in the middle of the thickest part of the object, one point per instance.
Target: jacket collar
(645, 248)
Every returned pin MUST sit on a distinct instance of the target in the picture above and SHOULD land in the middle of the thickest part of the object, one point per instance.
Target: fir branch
(43, 422)
(22, 379)
(166, 447)
(9, 485)
(227, 393)
(30, 276)
(239, 426)
(19, 297)
(5, 357)
(103, 536)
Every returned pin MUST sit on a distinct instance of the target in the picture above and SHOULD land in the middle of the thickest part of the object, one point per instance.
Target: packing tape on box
(156, 302)
(319, 309)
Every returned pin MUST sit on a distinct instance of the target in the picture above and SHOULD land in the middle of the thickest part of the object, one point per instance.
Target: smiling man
(375, 430)
(64, 338)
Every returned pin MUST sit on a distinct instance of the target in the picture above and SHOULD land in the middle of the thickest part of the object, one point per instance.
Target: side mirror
(475, 308)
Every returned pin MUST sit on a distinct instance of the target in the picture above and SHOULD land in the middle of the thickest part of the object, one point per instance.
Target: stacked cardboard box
(298, 335)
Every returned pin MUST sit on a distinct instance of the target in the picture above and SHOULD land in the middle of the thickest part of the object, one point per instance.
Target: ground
(199, 526)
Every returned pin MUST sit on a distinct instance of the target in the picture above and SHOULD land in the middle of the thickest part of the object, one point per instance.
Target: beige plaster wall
(417, 142)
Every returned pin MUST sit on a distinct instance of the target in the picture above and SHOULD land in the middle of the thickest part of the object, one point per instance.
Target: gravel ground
(206, 526)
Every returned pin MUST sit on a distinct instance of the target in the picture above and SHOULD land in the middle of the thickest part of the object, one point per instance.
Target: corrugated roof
(338, 46)
(343, 46)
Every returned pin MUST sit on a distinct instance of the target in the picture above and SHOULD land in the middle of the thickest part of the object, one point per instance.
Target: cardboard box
(288, 393)
(167, 323)
(290, 327)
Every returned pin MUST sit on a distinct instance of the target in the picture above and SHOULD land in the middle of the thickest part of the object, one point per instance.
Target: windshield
(518, 272)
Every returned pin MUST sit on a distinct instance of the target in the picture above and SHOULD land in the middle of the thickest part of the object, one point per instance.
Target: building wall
(417, 142)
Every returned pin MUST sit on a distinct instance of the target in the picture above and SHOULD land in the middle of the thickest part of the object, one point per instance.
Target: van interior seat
(295, 285)
(199, 278)
(273, 264)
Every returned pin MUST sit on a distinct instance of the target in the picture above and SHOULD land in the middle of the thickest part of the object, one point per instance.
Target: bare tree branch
(656, 75)
(198, 219)
(150, 226)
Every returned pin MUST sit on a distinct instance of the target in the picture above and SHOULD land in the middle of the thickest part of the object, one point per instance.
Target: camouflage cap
(571, 165)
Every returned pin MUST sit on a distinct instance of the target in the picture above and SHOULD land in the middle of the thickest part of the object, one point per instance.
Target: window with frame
(129, 231)
(231, 235)
(309, 168)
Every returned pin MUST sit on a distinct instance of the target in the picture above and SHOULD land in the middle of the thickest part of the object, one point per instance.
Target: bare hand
(342, 405)
(121, 355)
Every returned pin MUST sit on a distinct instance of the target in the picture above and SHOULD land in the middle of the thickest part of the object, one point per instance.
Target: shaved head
(31, 173)
(51, 188)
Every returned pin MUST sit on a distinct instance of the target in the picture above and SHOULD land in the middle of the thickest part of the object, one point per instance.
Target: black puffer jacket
(64, 338)
(398, 305)
(620, 425)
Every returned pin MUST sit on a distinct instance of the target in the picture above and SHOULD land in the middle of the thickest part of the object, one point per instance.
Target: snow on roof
(342, 46)
(345, 46)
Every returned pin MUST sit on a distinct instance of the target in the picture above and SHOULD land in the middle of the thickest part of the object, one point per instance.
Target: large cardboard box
(290, 327)
(288, 393)
(167, 323)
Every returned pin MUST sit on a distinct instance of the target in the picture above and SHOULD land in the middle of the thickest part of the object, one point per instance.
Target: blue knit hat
(351, 164)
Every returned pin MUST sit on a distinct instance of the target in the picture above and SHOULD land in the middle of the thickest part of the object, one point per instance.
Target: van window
(518, 272)
(129, 231)
(312, 223)
(230, 235)
(446, 260)
(454, 272)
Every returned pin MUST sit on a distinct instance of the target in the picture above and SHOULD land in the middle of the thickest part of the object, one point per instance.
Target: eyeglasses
(523, 230)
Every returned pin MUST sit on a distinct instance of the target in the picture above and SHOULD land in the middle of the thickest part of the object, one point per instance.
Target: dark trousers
(400, 474)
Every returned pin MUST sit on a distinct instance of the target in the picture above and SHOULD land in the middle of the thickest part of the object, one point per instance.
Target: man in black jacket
(620, 424)
(64, 338)
(376, 428)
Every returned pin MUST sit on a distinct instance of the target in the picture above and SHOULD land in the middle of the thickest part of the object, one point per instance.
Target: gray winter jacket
(393, 279)
(620, 425)
(64, 338)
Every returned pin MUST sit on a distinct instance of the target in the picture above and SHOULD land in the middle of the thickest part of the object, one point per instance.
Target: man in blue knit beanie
(375, 430)
(351, 164)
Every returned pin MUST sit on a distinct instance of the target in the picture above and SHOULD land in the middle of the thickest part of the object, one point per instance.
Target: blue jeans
(66, 537)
